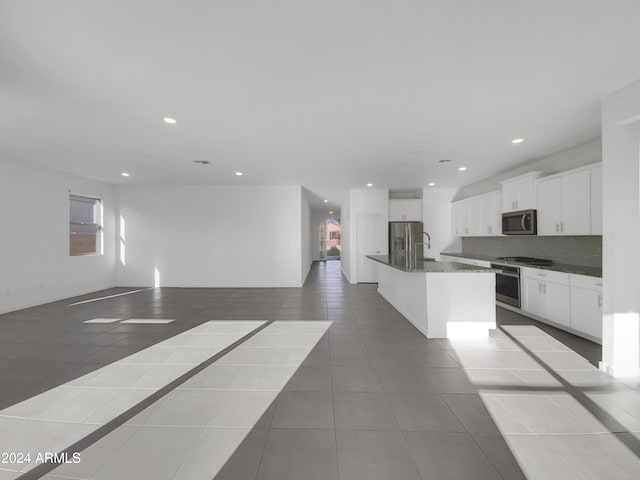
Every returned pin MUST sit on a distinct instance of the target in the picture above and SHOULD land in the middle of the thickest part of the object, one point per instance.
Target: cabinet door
(533, 299)
(490, 214)
(464, 220)
(475, 217)
(495, 214)
(526, 194)
(549, 206)
(510, 196)
(586, 311)
(596, 200)
(558, 303)
(576, 204)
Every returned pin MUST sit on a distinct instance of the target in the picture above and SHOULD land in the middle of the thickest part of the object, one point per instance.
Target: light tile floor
(336, 385)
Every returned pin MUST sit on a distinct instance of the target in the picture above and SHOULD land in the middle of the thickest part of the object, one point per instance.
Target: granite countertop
(556, 267)
(426, 265)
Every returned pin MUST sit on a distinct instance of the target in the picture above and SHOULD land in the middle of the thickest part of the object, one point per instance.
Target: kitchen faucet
(429, 239)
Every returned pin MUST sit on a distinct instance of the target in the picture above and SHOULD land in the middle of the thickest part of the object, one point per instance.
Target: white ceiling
(327, 94)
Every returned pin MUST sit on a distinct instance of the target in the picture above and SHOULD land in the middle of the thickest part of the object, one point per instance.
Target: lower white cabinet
(569, 300)
(546, 295)
(586, 305)
(564, 299)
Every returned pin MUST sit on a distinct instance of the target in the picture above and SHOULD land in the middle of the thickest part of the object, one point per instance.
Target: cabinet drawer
(585, 281)
(545, 275)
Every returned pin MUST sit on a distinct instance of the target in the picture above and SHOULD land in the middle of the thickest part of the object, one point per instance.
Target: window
(85, 228)
(334, 235)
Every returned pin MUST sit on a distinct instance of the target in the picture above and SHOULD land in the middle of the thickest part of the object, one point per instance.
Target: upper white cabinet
(477, 216)
(519, 193)
(460, 218)
(405, 210)
(596, 200)
(491, 214)
(564, 203)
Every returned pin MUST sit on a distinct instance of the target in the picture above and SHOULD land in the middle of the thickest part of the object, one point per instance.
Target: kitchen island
(441, 299)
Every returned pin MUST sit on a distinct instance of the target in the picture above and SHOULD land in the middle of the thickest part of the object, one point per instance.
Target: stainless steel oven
(507, 284)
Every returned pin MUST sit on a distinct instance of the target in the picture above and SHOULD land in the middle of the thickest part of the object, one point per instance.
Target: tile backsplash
(586, 250)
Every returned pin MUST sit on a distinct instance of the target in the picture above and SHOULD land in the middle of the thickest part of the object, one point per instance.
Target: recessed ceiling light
(462, 169)
(369, 184)
(325, 201)
(239, 174)
(125, 174)
(169, 120)
(444, 160)
(330, 213)
(517, 140)
(431, 184)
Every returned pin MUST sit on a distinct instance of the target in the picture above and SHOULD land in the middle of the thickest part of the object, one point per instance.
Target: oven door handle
(508, 274)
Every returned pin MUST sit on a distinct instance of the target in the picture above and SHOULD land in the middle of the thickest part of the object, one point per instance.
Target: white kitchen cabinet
(586, 305)
(564, 203)
(460, 218)
(532, 297)
(547, 295)
(596, 200)
(405, 210)
(519, 193)
(549, 194)
(491, 209)
(475, 217)
(478, 216)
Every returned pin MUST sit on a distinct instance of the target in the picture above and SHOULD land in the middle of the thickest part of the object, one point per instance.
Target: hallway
(323, 382)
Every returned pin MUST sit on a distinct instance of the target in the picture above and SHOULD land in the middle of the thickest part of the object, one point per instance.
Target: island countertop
(428, 265)
(556, 267)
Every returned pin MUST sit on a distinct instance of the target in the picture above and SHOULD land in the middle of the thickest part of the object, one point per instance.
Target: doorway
(329, 239)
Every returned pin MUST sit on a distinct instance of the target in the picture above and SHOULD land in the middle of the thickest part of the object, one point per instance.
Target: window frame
(99, 217)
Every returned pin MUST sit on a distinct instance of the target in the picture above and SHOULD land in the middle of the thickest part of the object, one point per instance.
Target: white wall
(35, 266)
(575, 157)
(369, 200)
(436, 217)
(621, 225)
(345, 238)
(212, 236)
(305, 239)
(314, 231)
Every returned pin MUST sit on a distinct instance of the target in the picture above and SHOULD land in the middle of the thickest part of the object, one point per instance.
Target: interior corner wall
(210, 236)
(345, 238)
(621, 231)
(305, 234)
(436, 219)
(369, 200)
(35, 265)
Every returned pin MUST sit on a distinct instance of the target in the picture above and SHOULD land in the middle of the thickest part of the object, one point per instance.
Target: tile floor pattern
(372, 398)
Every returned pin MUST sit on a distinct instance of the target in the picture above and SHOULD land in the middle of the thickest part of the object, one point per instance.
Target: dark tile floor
(362, 396)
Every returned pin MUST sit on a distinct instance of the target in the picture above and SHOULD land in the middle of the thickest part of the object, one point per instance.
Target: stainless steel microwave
(524, 222)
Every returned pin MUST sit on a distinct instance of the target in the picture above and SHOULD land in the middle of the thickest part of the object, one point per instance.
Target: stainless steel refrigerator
(405, 241)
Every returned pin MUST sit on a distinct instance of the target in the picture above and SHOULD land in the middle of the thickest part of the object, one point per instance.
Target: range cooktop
(527, 260)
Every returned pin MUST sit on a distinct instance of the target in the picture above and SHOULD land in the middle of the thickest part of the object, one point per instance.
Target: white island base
(442, 304)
